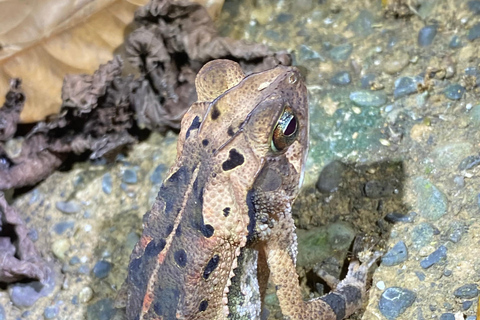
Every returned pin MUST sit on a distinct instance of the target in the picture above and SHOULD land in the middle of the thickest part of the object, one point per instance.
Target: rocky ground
(394, 156)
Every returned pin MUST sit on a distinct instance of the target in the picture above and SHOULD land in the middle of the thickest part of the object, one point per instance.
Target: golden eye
(292, 79)
(286, 130)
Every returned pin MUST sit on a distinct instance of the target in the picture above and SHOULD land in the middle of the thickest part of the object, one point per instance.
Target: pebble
(468, 291)
(2, 313)
(474, 6)
(331, 176)
(366, 80)
(61, 227)
(469, 162)
(85, 294)
(129, 176)
(375, 189)
(405, 86)
(420, 275)
(33, 234)
(455, 42)
(435, 257)
(363, 24)
(284, 17)
(471, 318)
(102, 269)
(24, 295)
(157, 175)
(50, 312)
(459, 181)
(426, 35)
(341, 78)
(380, 285)
(431, 202)
(447, 316)
(368, 98)
(394, 301)
(395, 217)
(396, 63)
(454, 92)
(422, 234)
(341, 52)
(59, 247)
(475, 114)
(466, 305)
(101, 310)
(455, 232)
(107, 183)
(306, 53)
(474, 32)
(396, 255)
(447, 272)
(74, 260)
(69, 207)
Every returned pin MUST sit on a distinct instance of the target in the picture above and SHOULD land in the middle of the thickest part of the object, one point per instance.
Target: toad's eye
(285, 131)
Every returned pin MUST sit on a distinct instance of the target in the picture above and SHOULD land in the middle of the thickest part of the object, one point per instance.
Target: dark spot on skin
(172, 187)
(226, 211)
(336, 303)
(351, 293)
(178, 232)
(211, 266)
(234, 160)
(215, 112)
(203, 305)
(195, 125)
(180, 257)
(207, 230)
(157, 307)
(169, 230)
(230, 132)
(214, 175)
(138, 279)
(205, 142)
(153, 248)
(166, 306)
(251, 214)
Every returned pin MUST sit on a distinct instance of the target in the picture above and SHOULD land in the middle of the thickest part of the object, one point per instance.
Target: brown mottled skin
(221, 224)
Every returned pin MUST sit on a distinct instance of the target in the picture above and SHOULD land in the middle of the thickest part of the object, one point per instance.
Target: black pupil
(292, 126)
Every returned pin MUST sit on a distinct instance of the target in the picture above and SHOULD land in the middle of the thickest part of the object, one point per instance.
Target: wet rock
(447, 316)
(68, 207)
(422, 235)
(366, 80)
(101, 310)
(434, 257)
(61, 227)
(102, 269)
(447, 273)
(396, 255)
(341, 52)
(330, 177)
(85, 295)
(375, 189)
(368, 98)
(24, 295)
(454, 92)
(466, 305)
(471, 318)
(395, 217)
(426, 35)
(74, 260)
(50, 312)
(362, 25)
(129, 176)
(455, 232)
(306, 53)
(107, 183)
(474, 6)
(455, 42)
(341, 78)
(394, 301)
(33, 235)
(2, 313)
(406, 85)
(284, 17)
(469, 162)
(468, 291)
(396, 63)
(431, 202)
(157, 175)
(474, 32)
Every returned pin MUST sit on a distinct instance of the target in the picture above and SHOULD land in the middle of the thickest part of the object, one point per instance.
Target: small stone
(69, 207)
(33, 234)
(471, 318)
(380, 285)
(394, 301)
(84, 269)
(474, 32)
(2, 313)
(129, 176)
(422, 234)
(375, 189)
(59, 247)
(363, 23)
(85, 295)
(426, 35)
(107, 183)
(395, 217)
(50, 312)
(341, 52)
(434, 257)
(405, 86)
(341, 78)
(330, 177)
(469, 162)
(455, 42)
(102, 269)
(74, 260)
(366, 80)
(396, 255)
(306, 53)
(474, 6)
(61, 227)
(157, 176)
(468, 291)
(284, 17)
(466, 305)
(368, 98)
(447, 273)
(396, 63)
(459, 181)
(420, 275)
(447, 316)
(455, 232)
(101, 310)
(24, 295)
(454, 92)
(431, 202)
